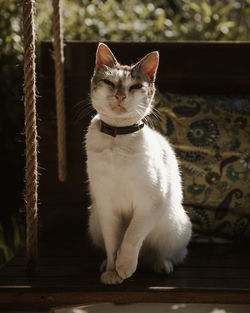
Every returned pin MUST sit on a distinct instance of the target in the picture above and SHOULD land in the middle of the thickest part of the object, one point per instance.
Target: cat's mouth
(118, 108)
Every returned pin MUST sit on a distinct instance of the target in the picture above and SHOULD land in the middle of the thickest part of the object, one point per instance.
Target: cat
(135, 187)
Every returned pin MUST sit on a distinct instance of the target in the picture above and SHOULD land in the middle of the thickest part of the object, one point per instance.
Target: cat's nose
(120, 96)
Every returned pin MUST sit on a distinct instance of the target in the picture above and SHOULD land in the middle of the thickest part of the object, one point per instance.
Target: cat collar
(114, 131)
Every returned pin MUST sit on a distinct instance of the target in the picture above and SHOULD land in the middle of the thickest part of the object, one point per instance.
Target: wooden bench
(68, 272)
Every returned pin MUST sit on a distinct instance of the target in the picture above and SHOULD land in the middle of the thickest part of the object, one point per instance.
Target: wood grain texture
(210, 274)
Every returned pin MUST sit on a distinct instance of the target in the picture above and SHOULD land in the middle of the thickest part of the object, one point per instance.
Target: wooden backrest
(204, 68)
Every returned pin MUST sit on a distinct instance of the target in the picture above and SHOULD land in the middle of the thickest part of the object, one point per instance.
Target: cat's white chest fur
(114, 166)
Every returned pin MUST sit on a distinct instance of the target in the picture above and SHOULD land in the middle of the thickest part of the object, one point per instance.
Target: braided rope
(30, 132)
(59, 84)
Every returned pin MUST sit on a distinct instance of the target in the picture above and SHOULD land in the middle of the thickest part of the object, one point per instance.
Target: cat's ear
(148, 65)
(104, 56)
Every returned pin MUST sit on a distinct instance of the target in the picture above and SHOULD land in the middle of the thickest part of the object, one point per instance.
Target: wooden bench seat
(210, 274)
(68, 272)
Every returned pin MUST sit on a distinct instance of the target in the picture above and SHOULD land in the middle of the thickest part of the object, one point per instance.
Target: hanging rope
(59, 84)
(30, 132)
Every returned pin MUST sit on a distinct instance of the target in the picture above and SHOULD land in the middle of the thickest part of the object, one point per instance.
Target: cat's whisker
(147, 118)
(150, 122)
(154, 118)
(82, 109)
(142, 108)
(140, 114)
(156, 113)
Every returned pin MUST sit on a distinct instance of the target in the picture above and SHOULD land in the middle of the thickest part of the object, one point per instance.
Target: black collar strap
(114, 131)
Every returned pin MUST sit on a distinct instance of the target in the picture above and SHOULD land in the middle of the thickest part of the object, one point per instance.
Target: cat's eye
(108, 82)
(135, 86)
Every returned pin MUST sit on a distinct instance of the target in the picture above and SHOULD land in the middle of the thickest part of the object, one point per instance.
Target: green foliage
(11, 125)
(158, 20)
(213, 20)
(132, 20)
(11, 238)
(10, 28)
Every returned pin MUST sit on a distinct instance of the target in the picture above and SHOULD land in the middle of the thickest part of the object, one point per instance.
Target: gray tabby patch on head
(123, 89)
(145, 69)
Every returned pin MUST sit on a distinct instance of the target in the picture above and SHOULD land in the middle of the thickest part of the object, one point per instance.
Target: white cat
(134, 180)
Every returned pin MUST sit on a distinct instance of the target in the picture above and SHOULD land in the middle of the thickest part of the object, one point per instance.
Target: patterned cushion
(211, 137)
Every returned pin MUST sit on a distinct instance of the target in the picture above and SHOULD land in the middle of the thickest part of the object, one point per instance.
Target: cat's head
(121, 94)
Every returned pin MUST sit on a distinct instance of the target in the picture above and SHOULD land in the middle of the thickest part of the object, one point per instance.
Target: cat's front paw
(125, 264)
(103, 266)
(111, 278)
(162, 266)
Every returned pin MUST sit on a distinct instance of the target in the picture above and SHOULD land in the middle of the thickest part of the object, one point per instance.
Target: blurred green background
(130, 20)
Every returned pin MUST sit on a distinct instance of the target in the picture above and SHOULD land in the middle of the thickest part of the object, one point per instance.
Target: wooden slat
(75, 280)
(40, 299)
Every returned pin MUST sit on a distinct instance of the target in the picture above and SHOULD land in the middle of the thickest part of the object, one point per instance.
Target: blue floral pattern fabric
(211, 137)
